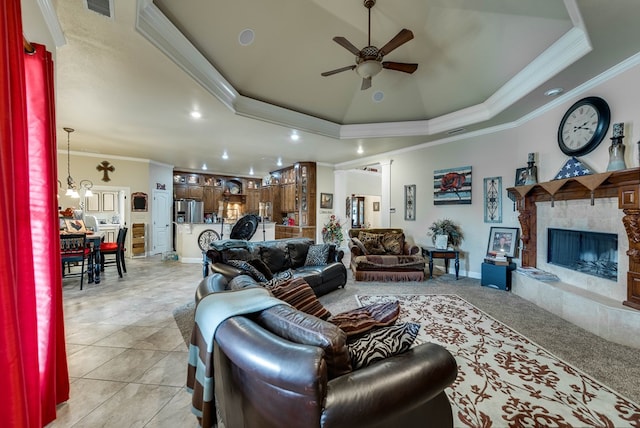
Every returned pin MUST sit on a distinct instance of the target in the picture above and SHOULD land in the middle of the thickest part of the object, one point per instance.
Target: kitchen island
(187, 235)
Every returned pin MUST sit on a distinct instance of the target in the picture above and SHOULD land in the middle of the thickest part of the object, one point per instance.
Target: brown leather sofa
(383, 254)
(264, 380)
(279, 255)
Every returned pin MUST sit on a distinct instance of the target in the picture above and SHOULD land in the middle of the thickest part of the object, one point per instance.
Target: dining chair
(74, 249)
(116, 249)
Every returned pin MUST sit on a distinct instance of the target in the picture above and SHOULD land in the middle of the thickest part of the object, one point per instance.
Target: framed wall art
(493, 200)
(503, 241)
(452, 186)
(326, 201)
(139, 202)
(410, 202)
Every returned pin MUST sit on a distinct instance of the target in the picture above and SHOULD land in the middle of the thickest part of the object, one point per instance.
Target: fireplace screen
(593, 253)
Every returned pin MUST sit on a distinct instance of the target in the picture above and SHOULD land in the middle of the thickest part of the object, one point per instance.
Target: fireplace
(592, 253)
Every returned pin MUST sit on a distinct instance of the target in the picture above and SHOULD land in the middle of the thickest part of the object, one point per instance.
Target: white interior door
(161, 220)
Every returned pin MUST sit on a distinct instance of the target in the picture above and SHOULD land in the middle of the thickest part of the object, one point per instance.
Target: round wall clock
(206, 237)
(584, 126)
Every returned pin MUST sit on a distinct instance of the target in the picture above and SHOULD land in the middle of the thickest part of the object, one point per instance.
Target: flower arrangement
(449, 228)
(332, 231)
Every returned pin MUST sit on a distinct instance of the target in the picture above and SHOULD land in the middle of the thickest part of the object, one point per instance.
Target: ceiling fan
(369, 59)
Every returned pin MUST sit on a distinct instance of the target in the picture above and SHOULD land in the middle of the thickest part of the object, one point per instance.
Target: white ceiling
(128, 84)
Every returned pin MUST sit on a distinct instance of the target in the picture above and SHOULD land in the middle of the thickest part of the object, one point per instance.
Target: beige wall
(499, 154)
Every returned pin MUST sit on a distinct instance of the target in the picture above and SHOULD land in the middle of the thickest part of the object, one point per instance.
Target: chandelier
(72, 188)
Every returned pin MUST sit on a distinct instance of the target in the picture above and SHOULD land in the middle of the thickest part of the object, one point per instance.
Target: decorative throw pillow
(262, 267)
(300, 295)
(246, 267)
(367, 236)
(358, 243)
(361, 320)
(279, 278)
(317, 255)
(382, 343)
(374, 247)
(393, 243)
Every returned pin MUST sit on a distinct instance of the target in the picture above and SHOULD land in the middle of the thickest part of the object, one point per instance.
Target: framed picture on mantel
(503, 241)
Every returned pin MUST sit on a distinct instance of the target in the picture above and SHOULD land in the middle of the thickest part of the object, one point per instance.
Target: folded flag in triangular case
(573, 168)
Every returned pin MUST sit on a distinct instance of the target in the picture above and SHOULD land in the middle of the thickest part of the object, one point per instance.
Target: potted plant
(332, 231)
(445, 227)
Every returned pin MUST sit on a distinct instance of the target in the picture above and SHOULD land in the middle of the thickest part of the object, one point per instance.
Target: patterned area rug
(504, 379)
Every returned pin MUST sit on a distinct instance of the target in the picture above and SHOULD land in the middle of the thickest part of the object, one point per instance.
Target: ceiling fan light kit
(369, 59)
(368, 69)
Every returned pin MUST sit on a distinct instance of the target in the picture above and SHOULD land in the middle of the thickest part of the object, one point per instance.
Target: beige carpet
(505, 379)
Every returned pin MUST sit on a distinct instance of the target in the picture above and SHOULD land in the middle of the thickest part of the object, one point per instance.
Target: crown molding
(51, 19)
(153, 25)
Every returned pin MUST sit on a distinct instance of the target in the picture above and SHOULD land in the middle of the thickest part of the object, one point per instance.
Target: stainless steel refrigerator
(188, 211)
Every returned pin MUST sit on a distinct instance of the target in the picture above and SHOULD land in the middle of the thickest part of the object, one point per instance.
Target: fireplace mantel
(625, 185)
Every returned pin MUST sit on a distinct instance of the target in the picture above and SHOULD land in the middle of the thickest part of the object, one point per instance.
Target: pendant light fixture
(71, 184)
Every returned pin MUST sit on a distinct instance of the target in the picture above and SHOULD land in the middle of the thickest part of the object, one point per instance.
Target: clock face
(583, 126)
(206, 237)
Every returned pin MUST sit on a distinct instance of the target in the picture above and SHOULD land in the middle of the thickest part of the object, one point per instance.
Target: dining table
(95, 262)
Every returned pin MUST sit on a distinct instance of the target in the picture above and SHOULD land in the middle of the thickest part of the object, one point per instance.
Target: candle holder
(531, 174)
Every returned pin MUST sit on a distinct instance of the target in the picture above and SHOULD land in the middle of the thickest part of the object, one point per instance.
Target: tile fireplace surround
(590, 302)
(593, 303)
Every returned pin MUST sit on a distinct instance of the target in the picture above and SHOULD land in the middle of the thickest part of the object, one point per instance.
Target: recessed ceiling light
(377, 96)
(251, 171)
(279, 162)
(554, 92)
(246, 37)
(225, 155)
(196, 114)
(204, 166)
(360, 150)
(294, 136)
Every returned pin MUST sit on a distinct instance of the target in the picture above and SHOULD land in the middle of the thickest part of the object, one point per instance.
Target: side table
(435, 253)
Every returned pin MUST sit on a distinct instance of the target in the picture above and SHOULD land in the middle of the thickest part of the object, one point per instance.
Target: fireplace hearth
(592, 253)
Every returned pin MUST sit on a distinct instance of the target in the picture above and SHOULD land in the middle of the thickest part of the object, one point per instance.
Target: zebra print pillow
(382, 343)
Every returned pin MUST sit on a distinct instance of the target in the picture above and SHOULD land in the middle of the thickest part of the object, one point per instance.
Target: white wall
(499, 154)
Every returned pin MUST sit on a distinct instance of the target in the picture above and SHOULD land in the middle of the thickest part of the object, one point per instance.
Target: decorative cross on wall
(106, 169)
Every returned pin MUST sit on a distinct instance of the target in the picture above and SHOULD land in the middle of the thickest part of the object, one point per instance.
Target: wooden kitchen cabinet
(288, 198)
(252, 201)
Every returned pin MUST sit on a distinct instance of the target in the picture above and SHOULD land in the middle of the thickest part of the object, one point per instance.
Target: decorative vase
(616, 155)
(442, 241)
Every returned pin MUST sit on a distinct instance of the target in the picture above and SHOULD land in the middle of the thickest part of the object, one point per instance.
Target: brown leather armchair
(263, 380)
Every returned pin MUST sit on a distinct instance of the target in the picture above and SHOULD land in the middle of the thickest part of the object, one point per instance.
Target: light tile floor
(127, 359)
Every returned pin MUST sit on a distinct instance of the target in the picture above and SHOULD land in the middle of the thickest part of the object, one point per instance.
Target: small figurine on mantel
(531, 173)
(616, 150)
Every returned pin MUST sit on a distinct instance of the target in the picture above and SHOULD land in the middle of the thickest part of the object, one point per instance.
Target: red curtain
(32, 348)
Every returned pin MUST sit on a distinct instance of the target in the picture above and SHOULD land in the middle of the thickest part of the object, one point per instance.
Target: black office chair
(116, 249)
(74, 249)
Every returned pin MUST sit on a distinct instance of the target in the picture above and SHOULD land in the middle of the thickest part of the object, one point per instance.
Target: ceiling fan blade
(366, 84)
(400, 66)
(338, 70)
(401, 38)
(347, 45)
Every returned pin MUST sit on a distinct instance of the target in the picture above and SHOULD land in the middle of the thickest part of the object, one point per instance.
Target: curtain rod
(28, 47)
